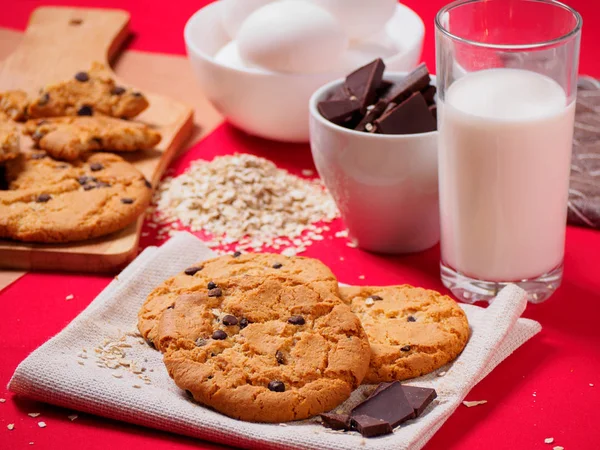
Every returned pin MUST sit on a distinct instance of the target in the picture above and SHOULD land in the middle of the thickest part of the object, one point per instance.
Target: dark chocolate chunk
(419, 398)
(276, 386)
(243, 323)
(216, 292)
(378, 389)
(280, 357)
(376, 298)
(44, 99)
(127, 201)
(43, 198)
(383, 88)
(200, 342)
(373, 112)
(341, 112)
(82, 76)
(117, 90)
(339, 93)
(370, 426)
(193, 270)
(219, 335)
(229, 320)
(277, 266)
(85, 110)
(429, 94)
(389, 404)
(363, 82)
(411, 319)
(296, 320)
(336, 421)
(410, 117)
(95, 167)
(406, 348)
(237, 254)
(211, 285)
(415, 81)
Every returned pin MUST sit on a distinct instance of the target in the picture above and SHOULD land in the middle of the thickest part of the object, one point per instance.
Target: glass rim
(576, 29)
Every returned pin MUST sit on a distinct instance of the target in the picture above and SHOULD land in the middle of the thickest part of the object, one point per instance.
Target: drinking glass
(507, 82)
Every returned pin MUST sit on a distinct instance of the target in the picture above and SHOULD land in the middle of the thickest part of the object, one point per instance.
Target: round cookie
(54, 201)
(264, 349)
(412, 331)
(196, 277)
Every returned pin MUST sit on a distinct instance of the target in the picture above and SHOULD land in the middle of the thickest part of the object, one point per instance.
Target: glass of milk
(507, 81)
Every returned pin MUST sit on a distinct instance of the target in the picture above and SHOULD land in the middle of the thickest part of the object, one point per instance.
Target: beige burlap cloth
(61, 373)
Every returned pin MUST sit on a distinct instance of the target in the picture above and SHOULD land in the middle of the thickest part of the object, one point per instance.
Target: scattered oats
(31, 443)
(591, 384)
(341, 234)
(137, 386)
(283, 425)
(363, 442)
(69, 297)
(549, 440)
(145, 234)
(369, 127)
(308, 172)
(244, 202)
(81, 363)
(151, 225)
(289, 252)
(341, 258)
(534, 394)
(558, 447)
(33, 414)
(117, 375)
(42, 424)
(441, 374)
(2, 400)
(72, 417)
(351, 244)
(10, 426)
(475, 403)
(369, 301)
(361, 277)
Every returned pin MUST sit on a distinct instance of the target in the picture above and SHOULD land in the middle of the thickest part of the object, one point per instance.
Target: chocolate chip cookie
(264, 348)
(9, 141)
(70, 137)
(54, 201)
(86, 94)
(412, 331)
(197, 277)
(13, 105)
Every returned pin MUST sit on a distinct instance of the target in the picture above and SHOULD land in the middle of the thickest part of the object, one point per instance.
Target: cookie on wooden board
(88, 93)
(196, 278)
(69, 138)
(264, 348)
(412, 331)
(54, 201)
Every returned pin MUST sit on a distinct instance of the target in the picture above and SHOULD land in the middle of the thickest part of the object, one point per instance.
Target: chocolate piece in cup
(409, 117)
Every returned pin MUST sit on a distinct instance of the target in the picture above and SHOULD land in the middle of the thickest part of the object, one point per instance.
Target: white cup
(386, 186)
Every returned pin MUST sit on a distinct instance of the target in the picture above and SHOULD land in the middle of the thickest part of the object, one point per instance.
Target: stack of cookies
(271, 338)
(60, 189)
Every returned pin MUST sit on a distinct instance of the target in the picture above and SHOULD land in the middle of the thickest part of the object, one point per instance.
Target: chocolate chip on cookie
(44, 99)
(95, 167)
(219, 335)
(277, 266)
(237, 254)
(200, 342)
(85, 110)
(43, 198)
(117, 90)
(216, 292)
(127, 201)
(191, 271)
(280, 357)
(82, 76)
(276, 386)
(243, 323)
(411, 319)
(211, 285)
(406, 348)
(296, 320)
(375, 298)
(229, 320)
(147, 184)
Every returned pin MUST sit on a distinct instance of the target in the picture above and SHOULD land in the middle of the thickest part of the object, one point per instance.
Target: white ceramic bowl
(386, 186)
(275, 105)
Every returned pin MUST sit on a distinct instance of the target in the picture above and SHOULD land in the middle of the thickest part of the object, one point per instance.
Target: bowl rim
(319, 94)
(190, 44)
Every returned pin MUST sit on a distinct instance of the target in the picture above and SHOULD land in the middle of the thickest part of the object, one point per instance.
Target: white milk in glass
(505, 152)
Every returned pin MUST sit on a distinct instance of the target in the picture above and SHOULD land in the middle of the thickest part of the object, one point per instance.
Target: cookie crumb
(361, 277)
(137, 386)
(558, 447)
(117, 375)
(351, 244)
(2, 400)
(548, 440)
(42, 424)
(69, 297)
(72, 417)
(474, 403)
(35, 414)
(10, 426)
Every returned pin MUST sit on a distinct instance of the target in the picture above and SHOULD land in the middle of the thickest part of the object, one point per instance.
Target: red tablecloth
(548, 388)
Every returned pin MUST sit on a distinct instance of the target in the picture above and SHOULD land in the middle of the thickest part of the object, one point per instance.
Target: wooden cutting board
(61, 41)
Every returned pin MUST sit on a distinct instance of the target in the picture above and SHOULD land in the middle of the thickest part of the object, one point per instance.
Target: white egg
(292, 36)
(360, 18)
(229, 56)
(234, 12)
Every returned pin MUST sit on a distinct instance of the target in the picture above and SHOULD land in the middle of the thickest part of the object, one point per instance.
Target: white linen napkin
(68, 370)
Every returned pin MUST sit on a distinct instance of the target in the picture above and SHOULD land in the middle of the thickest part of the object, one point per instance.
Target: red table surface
(548, 388)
